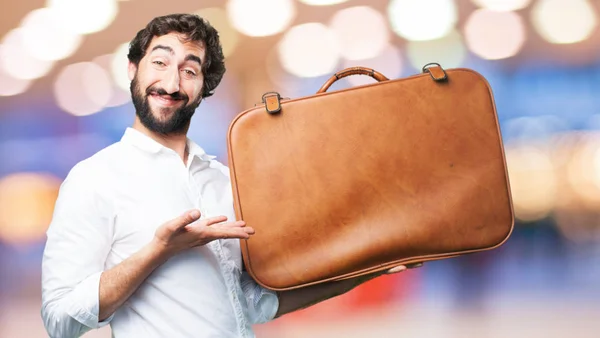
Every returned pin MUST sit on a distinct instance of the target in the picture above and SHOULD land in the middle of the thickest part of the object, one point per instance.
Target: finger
(214, 220)
(241, 233)
(248, 230)
(396, 269)
(232, 224)
(185, 219)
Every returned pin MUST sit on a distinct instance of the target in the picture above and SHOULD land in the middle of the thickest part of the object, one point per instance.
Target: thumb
(187, 218)
(396, 269)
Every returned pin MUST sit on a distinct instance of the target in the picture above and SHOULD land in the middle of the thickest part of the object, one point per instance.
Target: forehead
(178, 43)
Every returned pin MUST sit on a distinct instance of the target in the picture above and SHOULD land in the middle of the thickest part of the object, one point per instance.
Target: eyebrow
(192, 57)
(189, 57)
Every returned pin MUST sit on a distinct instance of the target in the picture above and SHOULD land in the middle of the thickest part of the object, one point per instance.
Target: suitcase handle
(434, 69)
(352, 71)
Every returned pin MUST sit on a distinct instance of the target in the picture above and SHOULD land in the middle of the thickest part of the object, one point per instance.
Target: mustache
(161, 91)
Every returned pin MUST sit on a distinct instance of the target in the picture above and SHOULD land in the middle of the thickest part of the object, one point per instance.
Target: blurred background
(64, 96)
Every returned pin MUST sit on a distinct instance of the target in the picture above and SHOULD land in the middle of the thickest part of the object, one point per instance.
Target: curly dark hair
(195, 29)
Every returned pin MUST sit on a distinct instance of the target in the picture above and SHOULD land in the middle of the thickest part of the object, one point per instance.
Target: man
(143, 235)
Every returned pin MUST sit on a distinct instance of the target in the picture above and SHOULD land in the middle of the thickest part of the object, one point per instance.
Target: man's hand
(396, 269)
(297, 299)
(401, 268)
(186, 231)
(365, 278)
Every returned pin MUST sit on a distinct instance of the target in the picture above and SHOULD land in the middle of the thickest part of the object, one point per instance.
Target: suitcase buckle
(436, 71)
(272, 101)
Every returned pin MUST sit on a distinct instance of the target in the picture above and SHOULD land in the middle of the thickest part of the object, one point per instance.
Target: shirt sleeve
(78, 241)
(262, 303)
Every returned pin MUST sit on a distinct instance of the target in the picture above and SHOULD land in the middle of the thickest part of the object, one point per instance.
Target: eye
(189, 72)
(158, 63)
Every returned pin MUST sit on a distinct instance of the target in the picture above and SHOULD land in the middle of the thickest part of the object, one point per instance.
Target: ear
(131, 70)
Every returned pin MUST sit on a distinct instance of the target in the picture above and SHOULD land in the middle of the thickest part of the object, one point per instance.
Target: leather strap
(352, 71)
(434, 69)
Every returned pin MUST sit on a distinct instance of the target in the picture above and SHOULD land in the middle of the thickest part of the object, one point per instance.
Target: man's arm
(293, 300)
(120, 282)
(79, 239)
(77, 294)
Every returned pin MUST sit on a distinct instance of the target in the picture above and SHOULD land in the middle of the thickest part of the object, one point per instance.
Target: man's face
(167, 84)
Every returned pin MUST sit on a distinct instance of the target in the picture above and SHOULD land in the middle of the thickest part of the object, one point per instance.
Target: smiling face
(166, 86)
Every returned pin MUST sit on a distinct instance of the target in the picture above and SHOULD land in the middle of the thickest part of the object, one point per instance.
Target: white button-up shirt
(108, 208)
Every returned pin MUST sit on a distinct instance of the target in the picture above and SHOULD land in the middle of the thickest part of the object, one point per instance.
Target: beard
(176, 124)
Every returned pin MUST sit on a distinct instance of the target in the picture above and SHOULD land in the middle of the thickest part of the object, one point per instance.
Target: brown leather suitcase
(355, 181)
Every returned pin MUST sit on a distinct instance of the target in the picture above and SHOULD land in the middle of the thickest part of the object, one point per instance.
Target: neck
(176, 142)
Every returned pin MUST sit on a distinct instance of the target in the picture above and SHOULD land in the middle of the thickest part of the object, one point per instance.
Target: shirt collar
(147, 144)
(195, 150)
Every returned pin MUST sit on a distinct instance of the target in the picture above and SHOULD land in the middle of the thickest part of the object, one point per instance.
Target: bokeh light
(484, 38)
(46, 36)
(277, 75)
(228, 36)
(82, 88)
(388, 63)
(322, 2)
(547, 103)
(583, 170)
(502, 5)
(261, 17)
(119, 65)
(10, 85)
(309, 50)
(85, 17)
(16, 60)
(560, 21)
(118, 95)
(449, 51)
(27, 203)
(596, 166)
(420, 20)
(360, 41)
(533, 182)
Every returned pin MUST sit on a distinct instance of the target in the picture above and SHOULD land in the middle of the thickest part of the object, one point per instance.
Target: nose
(171, 81)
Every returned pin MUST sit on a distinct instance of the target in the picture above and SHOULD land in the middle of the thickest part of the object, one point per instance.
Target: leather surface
(346, 183)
